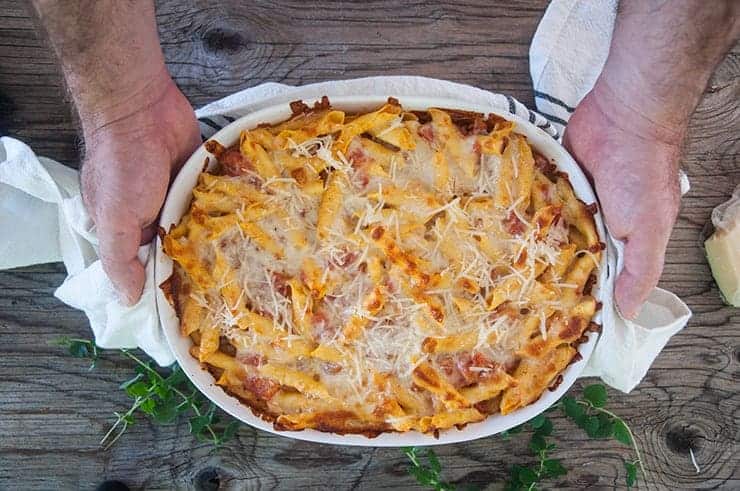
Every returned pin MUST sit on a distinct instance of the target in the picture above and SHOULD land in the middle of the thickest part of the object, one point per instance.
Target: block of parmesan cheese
(723, 248)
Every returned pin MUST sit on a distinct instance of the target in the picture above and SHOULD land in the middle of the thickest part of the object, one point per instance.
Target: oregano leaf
(546, 428)
(572, 409)
(165, 414)
(514, 482)
(420, 475)
(537, 443)
(160, 395)
(526, 476)
(230, 430)
(553, 468)
(590, 425)
(516, 429)
(621, 432)
(137, 389)
(147, 406)
(177, 377)
(605, 428)
(631, 469)
(162, 390)
(79, 349)
(595, 394)
(198, 423)
(537, 421)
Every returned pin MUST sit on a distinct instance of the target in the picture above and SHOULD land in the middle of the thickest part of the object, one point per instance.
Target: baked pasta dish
(386, 271)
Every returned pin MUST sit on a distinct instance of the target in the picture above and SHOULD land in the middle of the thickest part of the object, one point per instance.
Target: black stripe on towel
(544, 126)
(548, 126)
(211, 123)
(229, 118)
(554, 119)
(554, 100)
(531, 116)
(512, 105)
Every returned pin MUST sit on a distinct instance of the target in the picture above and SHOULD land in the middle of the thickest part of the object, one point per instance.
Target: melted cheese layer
(395, 267)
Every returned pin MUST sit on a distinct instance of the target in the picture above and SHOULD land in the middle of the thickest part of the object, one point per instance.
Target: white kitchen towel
(42, 220)
(46, 195)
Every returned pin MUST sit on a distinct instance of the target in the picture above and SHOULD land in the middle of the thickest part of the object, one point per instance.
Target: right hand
(131, 155)
(634, 167)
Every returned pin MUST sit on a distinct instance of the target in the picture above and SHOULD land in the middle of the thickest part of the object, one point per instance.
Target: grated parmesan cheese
(445, 247)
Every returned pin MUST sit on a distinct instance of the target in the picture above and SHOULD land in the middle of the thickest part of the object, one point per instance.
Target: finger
(643, 264)
(567, 143)
(570, 146)
(119, 244)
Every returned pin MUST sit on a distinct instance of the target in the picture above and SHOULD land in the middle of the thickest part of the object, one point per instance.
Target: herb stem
(629, 431)
(137, 402)
(539, 471)
(185, 398)
(412, 457)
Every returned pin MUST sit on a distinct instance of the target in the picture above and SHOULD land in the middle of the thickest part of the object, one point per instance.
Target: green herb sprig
(161, 395)
(588, 413)
(79, 348)
(165, 397)
(426, 474)
(523, 477)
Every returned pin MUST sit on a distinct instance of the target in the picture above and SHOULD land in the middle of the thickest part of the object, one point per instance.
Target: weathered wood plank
(53, 411)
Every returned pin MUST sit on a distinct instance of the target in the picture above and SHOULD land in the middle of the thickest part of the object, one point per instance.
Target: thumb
(149, 232)
(119, 244)
(643, 263)
(189, 145)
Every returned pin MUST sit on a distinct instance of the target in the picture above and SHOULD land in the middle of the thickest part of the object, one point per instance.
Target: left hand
(128, 165)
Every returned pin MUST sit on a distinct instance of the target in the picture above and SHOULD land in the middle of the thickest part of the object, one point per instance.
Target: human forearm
(661, 58)
(109, 53)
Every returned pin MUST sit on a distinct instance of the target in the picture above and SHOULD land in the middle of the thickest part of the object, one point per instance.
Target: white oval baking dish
(178, 201)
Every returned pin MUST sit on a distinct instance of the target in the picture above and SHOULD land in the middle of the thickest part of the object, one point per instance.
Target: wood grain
(53, 411)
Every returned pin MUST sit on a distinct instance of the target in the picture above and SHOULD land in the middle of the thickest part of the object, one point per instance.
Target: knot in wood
(220, 40)
(682, 438)
(207, 479)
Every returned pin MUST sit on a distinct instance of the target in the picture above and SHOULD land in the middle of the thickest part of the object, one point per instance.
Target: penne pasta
(389, 270)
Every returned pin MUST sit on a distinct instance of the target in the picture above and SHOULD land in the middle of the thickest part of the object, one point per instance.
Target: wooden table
(53, 411)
